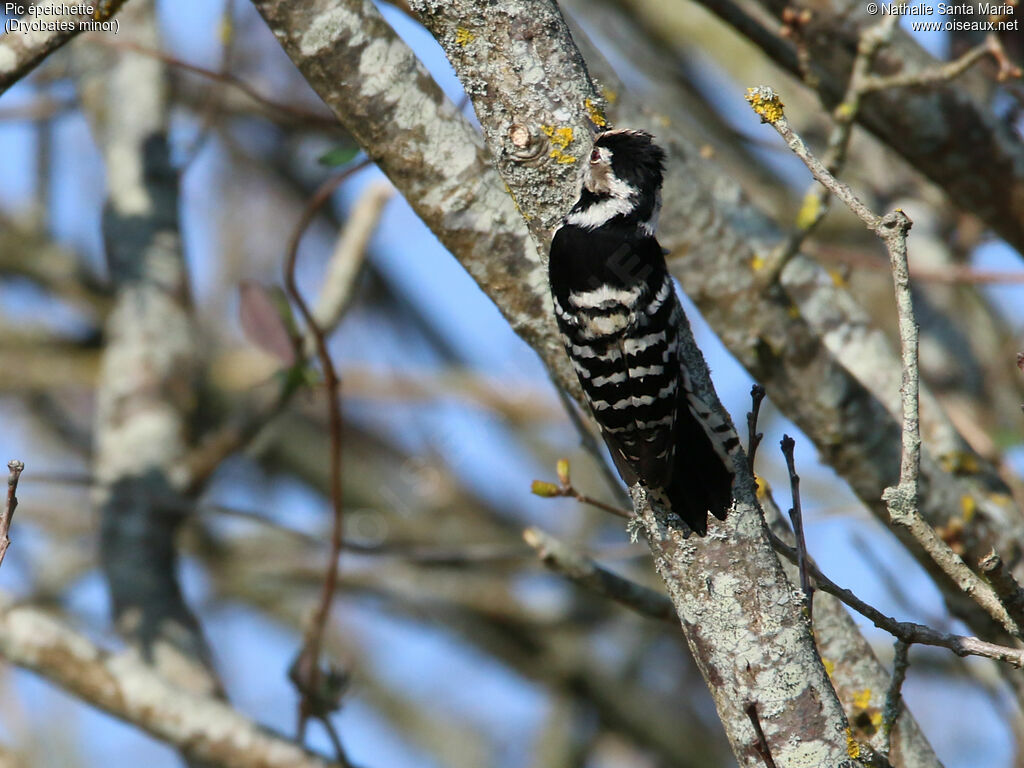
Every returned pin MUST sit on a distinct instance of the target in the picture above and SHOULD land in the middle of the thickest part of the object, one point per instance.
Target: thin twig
(15, 468)
(753, 436)
(339, 748)
(902, 499)
(948, 71)
(203, 460)
(796, 516)
(317, 118)
(816, 200)
(306, 669)
(893, 697)
(565, 488)
(907, 631)
(762, 743)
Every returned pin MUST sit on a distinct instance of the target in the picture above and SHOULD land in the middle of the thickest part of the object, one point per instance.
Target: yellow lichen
(968, 506)
(560, 157)
(852, 747)
(830, 666)
(560, 137)
(464, 37)
(809, 212)
(595, 113)
(862, 699)
(876, 718)
(757, 263)
(765, 103)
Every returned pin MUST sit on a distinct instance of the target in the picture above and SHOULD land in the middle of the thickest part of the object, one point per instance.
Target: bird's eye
(595, 155)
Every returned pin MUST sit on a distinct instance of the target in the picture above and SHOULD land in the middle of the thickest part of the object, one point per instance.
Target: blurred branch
(145, 395)
(20, 53)
(343, 267)
(585, 572)
(225, 78)
(126, 686)
(26, 250)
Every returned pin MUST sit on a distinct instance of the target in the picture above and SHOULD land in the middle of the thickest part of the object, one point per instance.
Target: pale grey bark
(148, 371)
(127, 687)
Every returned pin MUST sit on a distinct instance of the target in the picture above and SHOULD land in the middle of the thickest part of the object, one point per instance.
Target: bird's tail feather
(701, 479)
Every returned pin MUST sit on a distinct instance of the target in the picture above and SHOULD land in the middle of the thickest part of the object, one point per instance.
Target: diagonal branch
(124, 685)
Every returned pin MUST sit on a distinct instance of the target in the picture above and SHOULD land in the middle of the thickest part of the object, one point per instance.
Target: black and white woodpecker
(618, 313)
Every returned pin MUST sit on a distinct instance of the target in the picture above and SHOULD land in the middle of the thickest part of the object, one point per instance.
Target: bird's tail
(702, 475)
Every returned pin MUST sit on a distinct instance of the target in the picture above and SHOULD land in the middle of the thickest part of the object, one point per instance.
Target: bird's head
(624, 164)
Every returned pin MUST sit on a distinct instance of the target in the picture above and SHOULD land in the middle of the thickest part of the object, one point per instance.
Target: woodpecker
(617, 311)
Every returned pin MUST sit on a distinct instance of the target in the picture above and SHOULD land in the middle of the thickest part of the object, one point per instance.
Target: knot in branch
(901, 500)
(527, 146)
(895, 222)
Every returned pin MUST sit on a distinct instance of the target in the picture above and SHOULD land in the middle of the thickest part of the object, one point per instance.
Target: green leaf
(339, 155)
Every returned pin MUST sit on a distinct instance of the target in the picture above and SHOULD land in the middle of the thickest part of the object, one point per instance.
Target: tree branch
(585, 572)
(127, 687)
